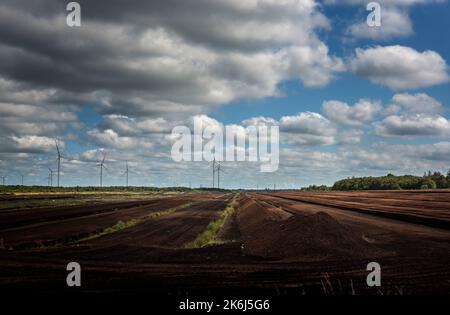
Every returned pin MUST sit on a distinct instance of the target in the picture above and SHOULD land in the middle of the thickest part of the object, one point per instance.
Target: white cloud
(356, 115)
(307, 129)
(256, 121)
(110, 138)
(37, 120)
(307, 123)
(384, 2)
(413, 125)
(395, 18)
(395, 23)
(29, 144)
(126, 126)
(399, 67)
(414, 103)
(350, 137)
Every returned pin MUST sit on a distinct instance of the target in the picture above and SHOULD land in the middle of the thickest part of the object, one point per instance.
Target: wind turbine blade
(57, 147)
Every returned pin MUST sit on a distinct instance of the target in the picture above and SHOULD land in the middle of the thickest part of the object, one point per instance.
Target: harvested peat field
(276, 243)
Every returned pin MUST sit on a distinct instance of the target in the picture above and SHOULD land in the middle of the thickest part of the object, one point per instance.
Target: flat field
(273, 242)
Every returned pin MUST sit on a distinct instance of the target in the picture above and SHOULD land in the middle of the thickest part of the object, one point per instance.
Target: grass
(16, 189)
(210, 235)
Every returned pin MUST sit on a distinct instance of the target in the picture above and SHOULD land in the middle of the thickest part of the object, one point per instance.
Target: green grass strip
(210, 235)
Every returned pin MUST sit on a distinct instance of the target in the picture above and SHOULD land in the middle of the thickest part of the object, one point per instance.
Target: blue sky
(349, 100)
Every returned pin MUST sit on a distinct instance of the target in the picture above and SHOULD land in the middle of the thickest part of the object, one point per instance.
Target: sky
(349, 99)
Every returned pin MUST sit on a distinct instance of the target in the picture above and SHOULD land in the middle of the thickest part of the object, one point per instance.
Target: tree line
(430, 180)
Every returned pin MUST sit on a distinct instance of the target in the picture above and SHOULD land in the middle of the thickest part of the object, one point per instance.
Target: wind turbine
(102, 165)
(59, 159)
(3, 180)
(214, 172)
(50, 176)
(219, 169)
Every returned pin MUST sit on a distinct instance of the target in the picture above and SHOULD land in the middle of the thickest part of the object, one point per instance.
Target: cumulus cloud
(308, 129)
(37, 120)
(319, 167)
(414, 103)
(147, 66)
(395, 23)
(395, 18)
(27, 144)
(356, 115)
(127, 126)
(260, 120)
(413, 125)
(157, 57)
(110, 138)
(384, 2)
(399, 158)
(400, 67)
(350, 137)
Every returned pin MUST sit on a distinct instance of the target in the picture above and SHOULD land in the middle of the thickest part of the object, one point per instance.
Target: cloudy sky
(350, 100)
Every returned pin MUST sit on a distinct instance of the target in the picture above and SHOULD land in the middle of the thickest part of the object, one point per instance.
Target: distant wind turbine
(102, 165)
(50, 177)
(214, 172)
(59, 159)
(219, 169)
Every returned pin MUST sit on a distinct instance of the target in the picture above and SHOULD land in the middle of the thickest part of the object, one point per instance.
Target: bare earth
(277, 243)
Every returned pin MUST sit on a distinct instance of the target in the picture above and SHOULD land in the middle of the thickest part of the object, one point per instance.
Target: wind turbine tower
(219, 169)
(214, 172)
(102, 165)
(59, 159)
(50, 176)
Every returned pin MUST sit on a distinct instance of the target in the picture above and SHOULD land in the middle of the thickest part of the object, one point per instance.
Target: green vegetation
(120, 225)
(316, 188)
(14, 189)
(430, 180)
(210, 234)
